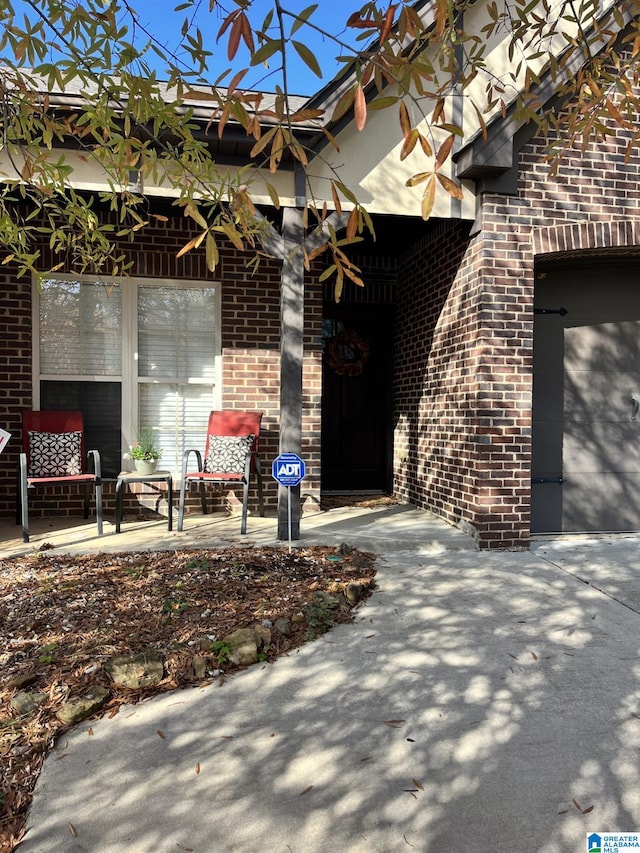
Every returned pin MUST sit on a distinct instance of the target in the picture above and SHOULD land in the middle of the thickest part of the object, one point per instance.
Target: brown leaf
(306, 790)
(234, 37)
(587, 810)
(197, 767)
(161, 734)
(428, 198)
(100, 582)
(387, 23)
(394, 724)
(352, 224)
(73, 830)
(418, 784)
(405, 122)
(444, 151)
(360, 107)
(409, 144)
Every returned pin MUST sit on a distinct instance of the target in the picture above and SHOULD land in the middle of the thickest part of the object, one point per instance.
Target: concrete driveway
(481, 702)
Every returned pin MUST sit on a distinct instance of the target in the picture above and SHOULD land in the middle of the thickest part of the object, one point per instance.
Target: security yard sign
(288, 469)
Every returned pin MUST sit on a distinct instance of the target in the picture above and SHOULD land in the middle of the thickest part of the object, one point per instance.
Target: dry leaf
(394, 724)
(368, 758)
(418, 784)
(73, 830)
(577, 805)
(160, 734)
(197, 767)
(100, 582)
(534, 655)
(306, 790)
(360, 107)
(587, 810)
(515, 657)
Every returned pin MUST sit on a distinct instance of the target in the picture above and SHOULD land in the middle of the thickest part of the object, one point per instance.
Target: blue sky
(330, 15)
(160, 18)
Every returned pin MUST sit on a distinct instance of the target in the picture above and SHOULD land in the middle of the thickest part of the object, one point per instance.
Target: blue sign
(288, 469)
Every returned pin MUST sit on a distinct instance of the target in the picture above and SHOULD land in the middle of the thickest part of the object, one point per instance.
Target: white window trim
(129, 379)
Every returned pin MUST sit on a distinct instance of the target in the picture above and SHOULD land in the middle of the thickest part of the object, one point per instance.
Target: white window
(130, 354)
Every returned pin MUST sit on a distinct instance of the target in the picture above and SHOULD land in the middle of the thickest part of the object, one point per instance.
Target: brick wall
(250, 351)
(464, 355)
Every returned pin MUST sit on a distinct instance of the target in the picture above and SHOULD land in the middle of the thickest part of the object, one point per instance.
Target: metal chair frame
(90, 476)
(225, 422)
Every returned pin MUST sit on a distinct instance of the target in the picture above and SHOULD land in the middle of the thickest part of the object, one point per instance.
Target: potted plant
(144, 452)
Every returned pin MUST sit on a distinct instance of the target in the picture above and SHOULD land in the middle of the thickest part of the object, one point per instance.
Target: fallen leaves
(579, 808)
(63, 617)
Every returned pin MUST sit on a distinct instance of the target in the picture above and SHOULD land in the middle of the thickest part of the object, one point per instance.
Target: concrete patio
(482, 702)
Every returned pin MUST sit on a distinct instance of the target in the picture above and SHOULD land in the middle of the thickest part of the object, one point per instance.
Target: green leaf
(211, 248)
(384, 103)
(327, 273)
(265, 52)
(273, 195)
(420, 178)
(302, 18)
(346, 192)
(307, 57)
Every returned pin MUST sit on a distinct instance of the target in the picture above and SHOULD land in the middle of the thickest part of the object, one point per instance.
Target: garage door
(586, 424)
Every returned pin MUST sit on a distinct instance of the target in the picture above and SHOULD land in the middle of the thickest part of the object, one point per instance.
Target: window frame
(129, 379)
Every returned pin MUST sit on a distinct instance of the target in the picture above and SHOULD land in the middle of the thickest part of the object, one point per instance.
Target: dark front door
(357, 398)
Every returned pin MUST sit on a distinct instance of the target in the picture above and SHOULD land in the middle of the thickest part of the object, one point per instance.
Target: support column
(291, 356)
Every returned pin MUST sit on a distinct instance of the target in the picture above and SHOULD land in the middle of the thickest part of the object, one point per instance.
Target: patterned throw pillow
(227, 453)
(54, 454)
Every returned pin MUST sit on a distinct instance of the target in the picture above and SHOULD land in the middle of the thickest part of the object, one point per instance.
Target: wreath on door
(347, 354)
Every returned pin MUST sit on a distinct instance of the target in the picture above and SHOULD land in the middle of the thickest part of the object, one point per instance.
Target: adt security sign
(288, 469)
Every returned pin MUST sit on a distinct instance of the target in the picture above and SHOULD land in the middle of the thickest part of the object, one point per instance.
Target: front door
(356, 398)
(586, 431)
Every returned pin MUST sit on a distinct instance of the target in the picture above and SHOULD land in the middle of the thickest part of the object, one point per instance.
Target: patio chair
(53, 453)
(230, 457)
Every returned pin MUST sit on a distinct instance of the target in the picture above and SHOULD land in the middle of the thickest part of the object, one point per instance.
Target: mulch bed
(63, 616)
